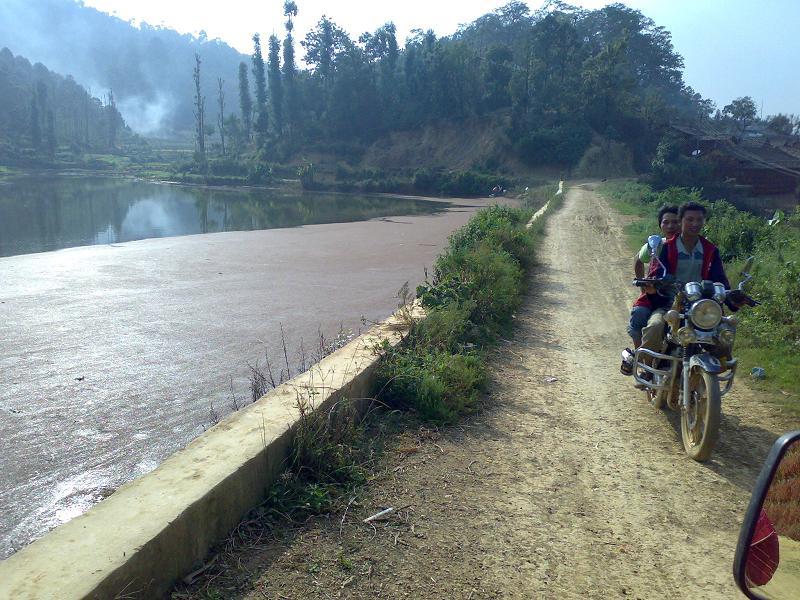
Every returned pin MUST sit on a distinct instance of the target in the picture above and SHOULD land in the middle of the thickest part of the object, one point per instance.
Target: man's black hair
(667, 208)
(691, 206)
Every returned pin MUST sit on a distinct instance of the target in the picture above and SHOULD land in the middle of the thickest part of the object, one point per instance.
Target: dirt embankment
(568, 484)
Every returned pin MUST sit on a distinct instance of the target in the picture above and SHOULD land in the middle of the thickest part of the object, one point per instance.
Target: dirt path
(570, 489)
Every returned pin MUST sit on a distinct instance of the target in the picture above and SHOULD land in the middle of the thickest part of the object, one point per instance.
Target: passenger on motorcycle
(670, 225)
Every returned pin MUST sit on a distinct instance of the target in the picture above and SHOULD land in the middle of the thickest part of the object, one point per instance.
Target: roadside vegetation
(434, 377)
(768, 335)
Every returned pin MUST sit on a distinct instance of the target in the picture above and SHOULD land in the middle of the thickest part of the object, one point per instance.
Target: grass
(8, 171)
(768, 334)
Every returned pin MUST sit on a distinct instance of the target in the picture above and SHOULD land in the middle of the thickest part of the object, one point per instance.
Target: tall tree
(381, 48)
(35, 124)
(221, 115)
(199, 114)
(497, 76)
(742, 111)
(290, 71)
(245, 101)
(112, 120)
(51, 135)
(275, 83)
(260, 81)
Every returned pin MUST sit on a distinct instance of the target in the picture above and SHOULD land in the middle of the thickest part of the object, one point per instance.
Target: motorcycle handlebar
(656, 283)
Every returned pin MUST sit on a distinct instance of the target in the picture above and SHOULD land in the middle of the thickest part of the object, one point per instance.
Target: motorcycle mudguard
(710, 364)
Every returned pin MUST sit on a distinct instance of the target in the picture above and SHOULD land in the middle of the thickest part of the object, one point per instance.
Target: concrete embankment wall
(151, 531)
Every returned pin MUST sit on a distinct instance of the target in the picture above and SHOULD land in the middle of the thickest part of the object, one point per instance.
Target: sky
(732, 48)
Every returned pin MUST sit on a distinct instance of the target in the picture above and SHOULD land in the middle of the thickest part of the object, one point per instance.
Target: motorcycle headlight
(705, 314)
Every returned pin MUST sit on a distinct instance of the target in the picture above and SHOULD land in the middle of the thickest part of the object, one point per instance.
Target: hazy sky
(731, 47)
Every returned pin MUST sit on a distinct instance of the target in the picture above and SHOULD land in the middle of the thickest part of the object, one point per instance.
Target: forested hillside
(148, 68)
(563, 77)
(42, 111)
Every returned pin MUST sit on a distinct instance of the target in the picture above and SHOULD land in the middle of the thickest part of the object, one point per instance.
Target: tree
(35, 126)
(785, 124)
(235, 132)
(275, 83)
(221, 115)
(497, 76)
(199, 115)
(245, 101)
(381, 48)
(112, 119)
(259, 75)
(51, 135)
(742, 111)
(290, 71)
(322, 45)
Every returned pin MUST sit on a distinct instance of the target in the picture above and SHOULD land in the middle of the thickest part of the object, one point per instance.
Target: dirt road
(572, 487)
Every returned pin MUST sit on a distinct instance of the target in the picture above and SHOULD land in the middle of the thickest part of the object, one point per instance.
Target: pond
(114, 353)
(40, 214)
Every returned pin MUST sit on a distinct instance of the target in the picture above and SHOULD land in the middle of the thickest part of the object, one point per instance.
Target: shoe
(626, 368)
(647, 376)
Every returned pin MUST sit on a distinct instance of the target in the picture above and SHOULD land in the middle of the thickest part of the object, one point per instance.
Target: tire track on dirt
(625, 512)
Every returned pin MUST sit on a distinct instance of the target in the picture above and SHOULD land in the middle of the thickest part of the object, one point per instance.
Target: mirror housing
(745, 272)
(752, 571)
(653, 242)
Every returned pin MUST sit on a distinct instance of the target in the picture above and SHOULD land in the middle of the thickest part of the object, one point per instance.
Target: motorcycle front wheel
(701, 416)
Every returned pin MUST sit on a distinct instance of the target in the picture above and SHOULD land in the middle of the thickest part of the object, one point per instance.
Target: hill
(43, 111)
(148, 68)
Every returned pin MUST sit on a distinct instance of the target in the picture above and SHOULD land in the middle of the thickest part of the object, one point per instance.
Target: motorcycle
(696, 367)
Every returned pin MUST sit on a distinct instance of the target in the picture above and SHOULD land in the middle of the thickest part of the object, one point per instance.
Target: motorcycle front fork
(685, 379)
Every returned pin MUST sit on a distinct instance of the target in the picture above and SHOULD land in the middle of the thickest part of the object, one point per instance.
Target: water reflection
(53, 212)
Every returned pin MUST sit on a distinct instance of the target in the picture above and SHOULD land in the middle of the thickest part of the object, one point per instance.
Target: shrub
(612, 159)
(456, 183)
(557, 145)
(477, 285)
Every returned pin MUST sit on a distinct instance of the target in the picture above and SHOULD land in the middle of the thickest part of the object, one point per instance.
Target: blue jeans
(639, 317)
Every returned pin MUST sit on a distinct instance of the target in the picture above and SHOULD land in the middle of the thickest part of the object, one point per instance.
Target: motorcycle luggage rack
(727, 377)
(665, 373)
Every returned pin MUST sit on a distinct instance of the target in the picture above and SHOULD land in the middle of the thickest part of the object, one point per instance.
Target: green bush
(438, 385)
(558, 145)
(456, 183)
(477, 285)
(612, 159)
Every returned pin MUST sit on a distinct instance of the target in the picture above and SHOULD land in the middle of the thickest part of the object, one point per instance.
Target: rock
(758, 373)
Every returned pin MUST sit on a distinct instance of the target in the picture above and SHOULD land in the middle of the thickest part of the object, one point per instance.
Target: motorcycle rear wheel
(700, 419)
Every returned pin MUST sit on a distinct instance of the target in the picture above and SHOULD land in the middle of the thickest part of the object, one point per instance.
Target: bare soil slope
(568, 484)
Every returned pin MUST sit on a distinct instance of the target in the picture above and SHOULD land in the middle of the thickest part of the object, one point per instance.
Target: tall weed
(477, 285)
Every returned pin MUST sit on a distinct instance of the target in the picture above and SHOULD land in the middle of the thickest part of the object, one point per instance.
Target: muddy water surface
(112, 355)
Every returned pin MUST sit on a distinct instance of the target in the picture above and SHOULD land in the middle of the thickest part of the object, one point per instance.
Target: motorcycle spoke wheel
(701, 417)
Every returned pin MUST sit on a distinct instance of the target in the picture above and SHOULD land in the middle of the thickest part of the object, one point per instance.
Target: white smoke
(147, 116)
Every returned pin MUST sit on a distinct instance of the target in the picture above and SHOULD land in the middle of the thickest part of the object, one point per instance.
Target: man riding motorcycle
(687, 257)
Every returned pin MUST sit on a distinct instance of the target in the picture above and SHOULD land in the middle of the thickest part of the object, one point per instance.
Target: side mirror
(767, 562)
(748, 265)
(653, 242)
(745, 273)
